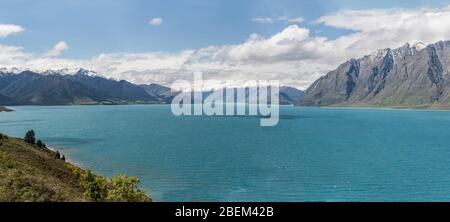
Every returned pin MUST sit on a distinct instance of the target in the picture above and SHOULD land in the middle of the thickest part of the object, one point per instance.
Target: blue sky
(106, 26)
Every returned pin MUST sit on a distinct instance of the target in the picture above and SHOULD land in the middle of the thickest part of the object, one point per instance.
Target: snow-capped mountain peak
(13, 70)
(418, 45)
(85, 72)
(64, 71)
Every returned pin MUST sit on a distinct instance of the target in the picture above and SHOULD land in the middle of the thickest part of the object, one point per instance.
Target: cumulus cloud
(13, 56)
(293, 55)
(155, 21)
(57, 49)
(9, 29)
(391, 28)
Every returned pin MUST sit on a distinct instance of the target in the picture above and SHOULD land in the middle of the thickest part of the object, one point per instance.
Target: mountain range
(412, 76)
(30, 88)
(60, 87)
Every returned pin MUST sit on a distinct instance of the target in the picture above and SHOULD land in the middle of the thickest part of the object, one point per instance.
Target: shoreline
(5, 109)
(322, 107)
(378, 108)
(68, 158)
(134, 104)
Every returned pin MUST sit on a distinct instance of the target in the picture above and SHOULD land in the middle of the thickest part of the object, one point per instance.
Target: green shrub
(125, 189)
(94, 186)
(75, 170)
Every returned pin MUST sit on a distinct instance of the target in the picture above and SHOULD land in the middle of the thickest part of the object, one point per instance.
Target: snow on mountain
(65, 71)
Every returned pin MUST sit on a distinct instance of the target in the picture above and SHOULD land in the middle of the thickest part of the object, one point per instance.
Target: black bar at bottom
(221, 211)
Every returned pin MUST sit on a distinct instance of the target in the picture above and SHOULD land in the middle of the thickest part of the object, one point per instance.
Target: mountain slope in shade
(104, 89)
(60, 87)
(412, 76)
(290, 95)
(29, 88)
(155, 89)
(161, 93)
(5, 100)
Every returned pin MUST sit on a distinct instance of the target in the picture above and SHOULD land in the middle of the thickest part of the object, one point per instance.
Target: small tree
(63, 158)
(125, 189)
(57, 155)
(30, 137)
(39, 143)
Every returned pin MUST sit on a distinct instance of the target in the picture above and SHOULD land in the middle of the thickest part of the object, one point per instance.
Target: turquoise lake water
(313, 154)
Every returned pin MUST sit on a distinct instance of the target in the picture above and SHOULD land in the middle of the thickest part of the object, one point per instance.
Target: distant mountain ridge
(162, 93)
(65, 87)
(30, 88)
(290, 95)
(412, 76)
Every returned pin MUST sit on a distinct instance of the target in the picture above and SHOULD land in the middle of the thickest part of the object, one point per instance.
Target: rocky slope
(412, 76)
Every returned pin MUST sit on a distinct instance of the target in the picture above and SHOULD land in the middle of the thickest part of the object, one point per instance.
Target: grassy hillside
(29, 172)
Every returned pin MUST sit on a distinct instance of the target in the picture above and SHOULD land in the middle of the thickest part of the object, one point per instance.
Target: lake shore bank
(428, 109)
(4, 109)
(30, 171)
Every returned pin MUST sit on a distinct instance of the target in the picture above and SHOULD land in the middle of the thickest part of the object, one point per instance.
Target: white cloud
(263, 20)
(295, 20)
(292, 55)
(270, 20)
(8, 29)
(392, 27)
(155, 21)
(57, 49)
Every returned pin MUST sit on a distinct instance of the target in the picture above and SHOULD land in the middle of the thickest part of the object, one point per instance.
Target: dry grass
(29, 173)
